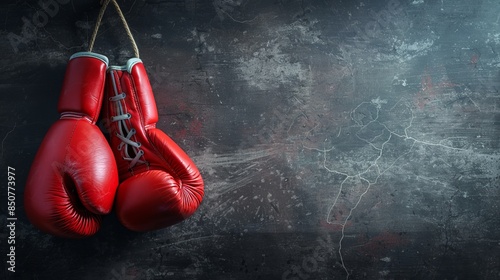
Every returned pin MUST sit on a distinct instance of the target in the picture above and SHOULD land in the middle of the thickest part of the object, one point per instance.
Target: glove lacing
(130, 149)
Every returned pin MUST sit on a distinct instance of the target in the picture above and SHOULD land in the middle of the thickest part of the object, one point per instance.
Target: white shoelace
(130, 148)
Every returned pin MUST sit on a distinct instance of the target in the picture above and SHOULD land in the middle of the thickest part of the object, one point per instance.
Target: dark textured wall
(337, 139)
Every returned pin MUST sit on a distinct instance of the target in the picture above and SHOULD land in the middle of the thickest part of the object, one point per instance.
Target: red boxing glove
(159, 184)
(73, 178)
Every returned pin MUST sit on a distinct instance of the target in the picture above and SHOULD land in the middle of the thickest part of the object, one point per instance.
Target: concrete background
(337, 139)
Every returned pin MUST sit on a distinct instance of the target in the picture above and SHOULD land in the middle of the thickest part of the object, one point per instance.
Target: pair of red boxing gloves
(78, 175)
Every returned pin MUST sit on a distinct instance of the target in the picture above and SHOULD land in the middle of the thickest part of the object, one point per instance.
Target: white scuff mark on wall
(493, 38)
(269, 68)
(409, 50)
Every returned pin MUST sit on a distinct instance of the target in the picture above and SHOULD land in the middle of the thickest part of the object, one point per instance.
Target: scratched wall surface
(337, 139)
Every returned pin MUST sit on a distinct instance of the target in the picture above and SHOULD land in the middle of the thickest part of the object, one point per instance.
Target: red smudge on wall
(474, 59)
(429, 90)
(184, 120)
(190, 129)
(378, 245)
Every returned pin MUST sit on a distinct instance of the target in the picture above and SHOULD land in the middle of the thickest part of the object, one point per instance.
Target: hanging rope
(124, 21)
